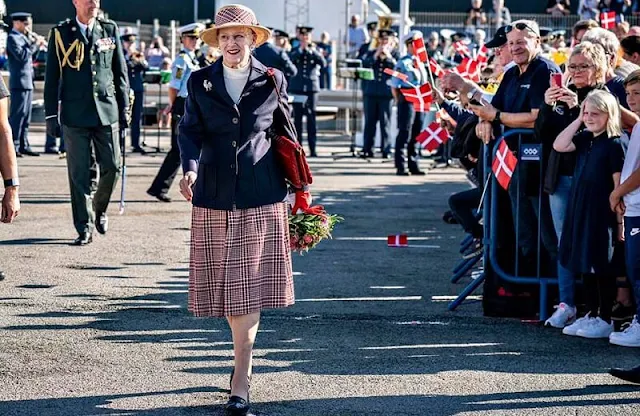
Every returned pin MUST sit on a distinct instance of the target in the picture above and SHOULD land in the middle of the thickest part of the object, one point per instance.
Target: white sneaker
(630, 337)
(579, 323)
(595, 328)
(563, 316)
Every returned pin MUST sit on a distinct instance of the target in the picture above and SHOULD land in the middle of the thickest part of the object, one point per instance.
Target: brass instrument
(384, 23)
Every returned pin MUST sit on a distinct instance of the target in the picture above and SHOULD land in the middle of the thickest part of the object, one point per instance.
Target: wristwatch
(497, 120)
(11, 182)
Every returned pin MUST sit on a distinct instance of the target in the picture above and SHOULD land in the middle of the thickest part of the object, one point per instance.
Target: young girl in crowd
(590, 226)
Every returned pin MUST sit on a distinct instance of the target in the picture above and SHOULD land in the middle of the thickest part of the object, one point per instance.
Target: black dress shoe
(83, 239)
(366, 155)
(52, 151)
(417, 172)
(632, 375)
(139, 150)
(102, 222)
(2, 275)
(159, 196)
(313, 154)
(18, 154)
(30, 152)
(385, 155)
(402, 173)
(236, 406)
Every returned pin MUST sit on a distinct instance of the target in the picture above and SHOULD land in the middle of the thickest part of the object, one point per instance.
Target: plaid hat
(235, 15)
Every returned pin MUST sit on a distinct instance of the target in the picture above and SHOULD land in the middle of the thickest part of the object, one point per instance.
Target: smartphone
(475, 102)
(556, 80)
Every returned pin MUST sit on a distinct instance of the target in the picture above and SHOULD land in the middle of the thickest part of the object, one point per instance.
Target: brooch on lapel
(207, 85)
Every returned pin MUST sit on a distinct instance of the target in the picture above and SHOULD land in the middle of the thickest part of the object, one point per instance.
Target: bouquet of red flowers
(306, 230)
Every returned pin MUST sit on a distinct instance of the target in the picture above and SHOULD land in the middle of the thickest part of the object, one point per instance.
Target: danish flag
(396, 74)
(483, 55)
(433, 136)
(608, 20)
(421, 97)
(469, 68)
(462, 49)
(400, 240)
(436, 69)
(504, 164)
(420, 50)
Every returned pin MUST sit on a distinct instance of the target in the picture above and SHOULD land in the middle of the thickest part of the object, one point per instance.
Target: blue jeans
(559, 201)
(566, 285)
(632, 246)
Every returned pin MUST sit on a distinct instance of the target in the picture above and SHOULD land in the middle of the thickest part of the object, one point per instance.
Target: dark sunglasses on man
(521, 26)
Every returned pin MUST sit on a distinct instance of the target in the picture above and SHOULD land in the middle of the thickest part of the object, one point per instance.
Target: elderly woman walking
(240, 255)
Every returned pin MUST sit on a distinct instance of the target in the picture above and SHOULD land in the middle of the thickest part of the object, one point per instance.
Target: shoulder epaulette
(63, 23)
(106, 21)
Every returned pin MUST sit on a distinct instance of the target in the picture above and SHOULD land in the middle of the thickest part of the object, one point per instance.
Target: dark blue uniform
(306, 82)
(20, 50)
(326, 49)
(137, 66)
(272, 56)
(377, 99)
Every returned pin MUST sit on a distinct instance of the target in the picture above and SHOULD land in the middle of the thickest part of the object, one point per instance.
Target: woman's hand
(551, 95)
(186, 185)
(484, 131)
(568, 96)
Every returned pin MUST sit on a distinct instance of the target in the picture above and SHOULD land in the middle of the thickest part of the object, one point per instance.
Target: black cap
(129, 37)
(303, 30)
(280, 33)
(545, 31)
(20, 16)
(499, 39)
(372, 25)
(386, 32)
(459, 36)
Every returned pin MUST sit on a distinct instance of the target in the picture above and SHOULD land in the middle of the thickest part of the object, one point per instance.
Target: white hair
(604, 38)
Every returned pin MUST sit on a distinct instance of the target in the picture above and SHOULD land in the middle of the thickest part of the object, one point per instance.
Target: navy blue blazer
(20, 51)
(309, 62)
(229, 145)
(274, 57)
(379, 86)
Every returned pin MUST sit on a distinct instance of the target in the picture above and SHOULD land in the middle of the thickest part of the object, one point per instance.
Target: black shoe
(366, 155)
(52, 151)
(159, 196)
(102, 222)
(632, 375)
(236, 406)
(30, 152)
(402, 173)
(18, 154)
(417, 172)
(83, 239)
(385, 155)
(139, 150)
(449, 218)
(2, 275)
(313, 154)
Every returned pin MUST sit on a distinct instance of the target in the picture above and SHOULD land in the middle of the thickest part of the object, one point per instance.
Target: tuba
(384, 23)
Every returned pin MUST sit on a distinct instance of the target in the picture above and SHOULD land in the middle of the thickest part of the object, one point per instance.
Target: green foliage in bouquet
(307, 230)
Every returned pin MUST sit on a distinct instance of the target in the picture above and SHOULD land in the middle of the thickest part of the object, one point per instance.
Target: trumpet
(384, 23)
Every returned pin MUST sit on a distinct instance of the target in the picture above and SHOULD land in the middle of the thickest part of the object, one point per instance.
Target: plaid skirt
(240, 261)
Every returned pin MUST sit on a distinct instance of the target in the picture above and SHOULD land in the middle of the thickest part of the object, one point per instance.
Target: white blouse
(234, 80)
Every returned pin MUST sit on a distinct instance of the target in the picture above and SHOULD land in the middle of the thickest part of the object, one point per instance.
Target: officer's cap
(458, 36)
(446, 33)
(303, 30)
(386, 32)
(20, 16)
(499, 39)
(372, 25)
(545, 31)
(280, 33)
(191, 30)
(411, 36)
(129, 37)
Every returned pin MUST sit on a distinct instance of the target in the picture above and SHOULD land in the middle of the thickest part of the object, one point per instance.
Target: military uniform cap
(303, 30)
(386, 32)
(20, 16)
(411, 36)
(372, 25)
(192, 30)
(280, 33)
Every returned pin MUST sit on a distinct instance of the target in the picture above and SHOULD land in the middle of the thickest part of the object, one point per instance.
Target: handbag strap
(285, 110)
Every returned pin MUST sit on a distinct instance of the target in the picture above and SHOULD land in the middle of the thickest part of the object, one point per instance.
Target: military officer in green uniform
(87, 73)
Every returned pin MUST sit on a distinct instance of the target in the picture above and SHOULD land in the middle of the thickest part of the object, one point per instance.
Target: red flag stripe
(421, 97)
(433, 136)
(462, 49)
(504, 165)
(608, 20)
(396, 74)
(436, 69)
(420, 50)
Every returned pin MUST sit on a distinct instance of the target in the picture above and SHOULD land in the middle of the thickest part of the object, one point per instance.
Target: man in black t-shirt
(8, 163)
(516, 105)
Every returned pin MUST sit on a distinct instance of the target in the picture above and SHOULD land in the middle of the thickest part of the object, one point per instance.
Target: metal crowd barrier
(528, 153)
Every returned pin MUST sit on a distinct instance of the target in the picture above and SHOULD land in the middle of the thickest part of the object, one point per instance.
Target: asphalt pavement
(104, 330)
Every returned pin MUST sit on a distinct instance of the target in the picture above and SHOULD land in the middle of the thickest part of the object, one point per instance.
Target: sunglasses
(521, 26)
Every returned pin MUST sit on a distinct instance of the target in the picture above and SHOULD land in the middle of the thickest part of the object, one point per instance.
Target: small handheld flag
(432, 136)
(504, 165)
(400, 240)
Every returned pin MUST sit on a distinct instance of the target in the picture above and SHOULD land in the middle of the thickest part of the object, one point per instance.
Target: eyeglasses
(521, 26)
(579, 68)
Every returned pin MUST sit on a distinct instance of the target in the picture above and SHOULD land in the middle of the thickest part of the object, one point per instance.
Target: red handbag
(289, 153)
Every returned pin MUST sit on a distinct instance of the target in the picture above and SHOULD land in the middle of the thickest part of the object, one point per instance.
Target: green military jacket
(88, 78)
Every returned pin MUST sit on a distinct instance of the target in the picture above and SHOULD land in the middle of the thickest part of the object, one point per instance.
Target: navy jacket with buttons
(309, 62)
(271, 55)
(379, 86)
(229, 145)
(20, 51)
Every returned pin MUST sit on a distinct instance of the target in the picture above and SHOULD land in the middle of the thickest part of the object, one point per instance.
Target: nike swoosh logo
(634, 232)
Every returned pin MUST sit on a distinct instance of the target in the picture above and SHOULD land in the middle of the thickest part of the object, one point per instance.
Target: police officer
(181, 69)
(87, 70)
(409, 121)
(21, 46)
(377, 93)
(137, 65)
(272, 56)
(306, 83)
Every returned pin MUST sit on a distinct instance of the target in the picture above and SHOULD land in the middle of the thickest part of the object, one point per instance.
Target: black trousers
(308, 109)
(136, 119)
(462, 206)
(376, 109)
(171, 163)
(409, 127)
(20, 118)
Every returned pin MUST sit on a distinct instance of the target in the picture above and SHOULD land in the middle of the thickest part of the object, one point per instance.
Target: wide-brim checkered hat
(235, 15)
